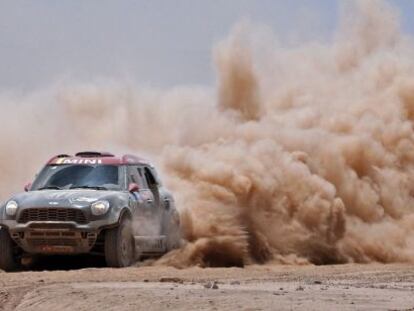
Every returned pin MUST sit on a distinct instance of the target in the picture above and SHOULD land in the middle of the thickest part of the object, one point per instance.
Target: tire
(119, 245)
(8, 259)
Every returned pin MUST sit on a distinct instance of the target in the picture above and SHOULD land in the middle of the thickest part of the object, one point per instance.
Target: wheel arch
(125, 212)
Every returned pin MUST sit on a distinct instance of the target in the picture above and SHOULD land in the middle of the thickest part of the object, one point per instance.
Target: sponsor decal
(56, 249)
(146, 194)
(56, 196)
(150, 243)
(84, 199)
(78, 161)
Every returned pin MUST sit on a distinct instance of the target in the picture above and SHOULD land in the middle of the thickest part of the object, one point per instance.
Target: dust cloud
(303, 154)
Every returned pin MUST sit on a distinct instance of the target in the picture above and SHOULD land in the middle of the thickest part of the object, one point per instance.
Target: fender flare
(125, 212)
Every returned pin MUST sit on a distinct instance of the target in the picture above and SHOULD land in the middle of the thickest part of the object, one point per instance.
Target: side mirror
(27, 186)
(133, 187)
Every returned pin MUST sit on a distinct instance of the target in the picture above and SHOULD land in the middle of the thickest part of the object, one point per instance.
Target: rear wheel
(8, 258)
(119, 245)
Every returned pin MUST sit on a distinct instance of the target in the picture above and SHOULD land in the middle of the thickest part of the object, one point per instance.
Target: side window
(134, 176)
(156, 177)
(150, 178)
(142, 177)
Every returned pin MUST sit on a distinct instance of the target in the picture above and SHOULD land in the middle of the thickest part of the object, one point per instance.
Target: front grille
(52, 214)
(52, 234)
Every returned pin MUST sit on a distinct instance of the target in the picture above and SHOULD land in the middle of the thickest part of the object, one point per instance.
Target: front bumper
(57, 237)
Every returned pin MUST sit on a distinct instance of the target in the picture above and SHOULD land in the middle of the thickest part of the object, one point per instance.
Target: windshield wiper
(89, 187)
(50, 187)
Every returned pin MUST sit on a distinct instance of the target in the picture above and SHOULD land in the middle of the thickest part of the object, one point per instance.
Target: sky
(158, 43)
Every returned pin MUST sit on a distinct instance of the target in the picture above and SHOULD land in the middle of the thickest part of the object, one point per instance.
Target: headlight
(11, 208)
(99, 207)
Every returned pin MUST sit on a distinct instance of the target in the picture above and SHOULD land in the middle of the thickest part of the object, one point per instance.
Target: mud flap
(150, 244)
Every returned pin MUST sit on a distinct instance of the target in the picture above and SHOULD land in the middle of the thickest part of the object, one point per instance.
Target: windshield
(78, 176)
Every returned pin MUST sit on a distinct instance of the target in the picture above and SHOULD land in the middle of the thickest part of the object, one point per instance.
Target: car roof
(96, 157)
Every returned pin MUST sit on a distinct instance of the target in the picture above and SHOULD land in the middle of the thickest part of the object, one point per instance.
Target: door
(146, 211)
(148, 227)
(135, 200)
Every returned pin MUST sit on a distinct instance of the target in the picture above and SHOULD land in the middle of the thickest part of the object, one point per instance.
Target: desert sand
(266, 287)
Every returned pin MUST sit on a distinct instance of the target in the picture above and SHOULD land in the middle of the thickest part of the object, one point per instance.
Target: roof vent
(93, 154)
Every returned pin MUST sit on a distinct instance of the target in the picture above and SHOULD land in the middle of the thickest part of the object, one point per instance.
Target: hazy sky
(155, 42)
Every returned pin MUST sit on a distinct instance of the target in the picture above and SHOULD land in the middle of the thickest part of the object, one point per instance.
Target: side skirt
(150, 245)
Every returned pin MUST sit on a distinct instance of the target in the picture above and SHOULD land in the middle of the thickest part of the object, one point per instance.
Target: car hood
(77, 198)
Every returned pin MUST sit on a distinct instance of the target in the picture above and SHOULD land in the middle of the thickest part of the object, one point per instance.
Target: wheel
(119, 245)
(8, 258)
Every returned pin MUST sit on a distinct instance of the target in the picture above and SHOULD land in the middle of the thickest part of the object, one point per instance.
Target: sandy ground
(340, 287)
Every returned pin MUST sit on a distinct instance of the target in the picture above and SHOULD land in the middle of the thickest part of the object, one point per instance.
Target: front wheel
(8, 258)
(119, 245)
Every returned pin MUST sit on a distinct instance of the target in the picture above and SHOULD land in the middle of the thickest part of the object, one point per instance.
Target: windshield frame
(121, 177)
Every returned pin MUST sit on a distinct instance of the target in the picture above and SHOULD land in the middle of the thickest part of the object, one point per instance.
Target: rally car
(93, 202)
